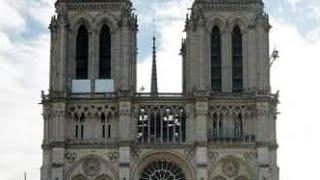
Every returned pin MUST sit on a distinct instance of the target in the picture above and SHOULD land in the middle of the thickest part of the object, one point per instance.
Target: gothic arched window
(239, 127)
(217, 127)
(79, 130)
(237, 71)
(105, 53)
(82, 53)
(162, 170)
(216, 60)
(106, 127)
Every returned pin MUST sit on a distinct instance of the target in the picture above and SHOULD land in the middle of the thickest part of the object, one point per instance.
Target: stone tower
(221, 127)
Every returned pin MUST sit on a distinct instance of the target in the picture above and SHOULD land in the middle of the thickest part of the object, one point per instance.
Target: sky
(24, 59)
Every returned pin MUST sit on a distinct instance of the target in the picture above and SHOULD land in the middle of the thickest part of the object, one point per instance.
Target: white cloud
(170, 17)
(15, 14)
(41, 11)
(296, 74)
(23, 72)
(11, 20)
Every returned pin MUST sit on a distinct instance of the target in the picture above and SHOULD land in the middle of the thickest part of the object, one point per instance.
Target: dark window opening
(109, 131)
(216, 79)
(82, 131)
(106, 127)
(105, 53)
(237, 60)
(77, 129)
(82, 53)
(103, 130)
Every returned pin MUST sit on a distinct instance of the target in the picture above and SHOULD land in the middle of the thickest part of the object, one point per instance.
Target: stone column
(263, 130)
(45, 168)
(95, 53)
(245, 62)
(192, 61)
(202, 60)
(91, 54)
(125, 55)
(226, 63)
(263, 163)
(61, 65)
(57, 123)
(57, 163)
(201, 114)
(252, 59)
(46, 116)
(116, 58)
(133, 62)
(263, 56)
(126, 136)
(53, 53)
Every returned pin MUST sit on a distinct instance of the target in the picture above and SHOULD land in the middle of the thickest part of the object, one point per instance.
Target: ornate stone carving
(91, 167)
(113, 156)
(249, 155)
(91, 110)
(225, 109)
(231, 5)
(125, 108)
(135, 152)
(230, 167)
(94, 6)
(70, 157)
(213, 156)
(190, 153)
(201, 108)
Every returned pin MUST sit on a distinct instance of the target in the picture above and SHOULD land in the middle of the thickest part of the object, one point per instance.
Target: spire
(154, 79)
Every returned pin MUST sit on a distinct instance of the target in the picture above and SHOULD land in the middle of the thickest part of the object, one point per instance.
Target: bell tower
(226, 69)
(92, 57)
(93, 47)
(227, 46)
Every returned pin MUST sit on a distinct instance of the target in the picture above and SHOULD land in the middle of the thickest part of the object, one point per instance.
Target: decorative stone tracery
(167, 158)
(162, 170)
(91, 167)
(230, 167)
(231, 123)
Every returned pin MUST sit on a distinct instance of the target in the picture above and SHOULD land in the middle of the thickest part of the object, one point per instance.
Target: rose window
(162, 170)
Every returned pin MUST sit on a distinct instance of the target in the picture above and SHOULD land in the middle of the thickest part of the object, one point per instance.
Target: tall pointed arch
(237, 59)
(82, 47)
(216, 79)
(105, 53)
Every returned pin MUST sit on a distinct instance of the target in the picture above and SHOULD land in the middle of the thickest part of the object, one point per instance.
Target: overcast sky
(24, 59)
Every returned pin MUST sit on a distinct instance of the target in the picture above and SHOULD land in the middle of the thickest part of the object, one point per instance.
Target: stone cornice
(229, 5)
(170, 98)
(98, 6)
(270, 145)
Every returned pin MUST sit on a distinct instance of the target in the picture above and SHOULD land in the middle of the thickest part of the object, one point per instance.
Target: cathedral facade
(98, 127)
